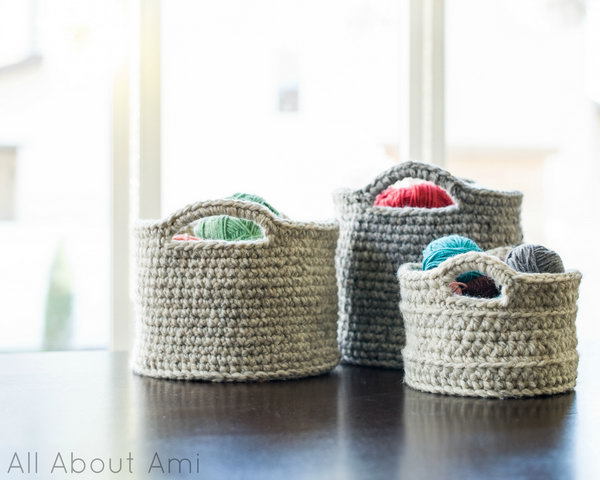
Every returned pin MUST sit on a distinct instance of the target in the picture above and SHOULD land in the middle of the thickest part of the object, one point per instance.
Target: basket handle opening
(414, 170)
(234, 208)
(484, 263)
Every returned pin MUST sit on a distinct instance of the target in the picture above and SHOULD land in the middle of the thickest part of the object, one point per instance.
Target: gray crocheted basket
(375, 241)
(235, 311)
(522, 343)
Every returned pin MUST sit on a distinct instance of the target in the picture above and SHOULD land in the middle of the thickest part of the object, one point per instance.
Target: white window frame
(136, 157)
(136, 164)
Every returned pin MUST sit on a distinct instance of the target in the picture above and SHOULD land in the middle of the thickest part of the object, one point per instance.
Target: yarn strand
(421, 195)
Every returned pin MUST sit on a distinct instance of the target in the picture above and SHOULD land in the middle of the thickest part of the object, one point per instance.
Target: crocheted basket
(235, 311)
(375, 241)
(522, 343)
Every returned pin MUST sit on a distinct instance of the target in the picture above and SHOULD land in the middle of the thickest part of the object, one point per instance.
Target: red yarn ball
(423, 195)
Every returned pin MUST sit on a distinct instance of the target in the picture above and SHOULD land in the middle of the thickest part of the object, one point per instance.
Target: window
(55, 151)
(282, 98)
(286, 99)
(8, 160)
(520, 116)
(18, 32)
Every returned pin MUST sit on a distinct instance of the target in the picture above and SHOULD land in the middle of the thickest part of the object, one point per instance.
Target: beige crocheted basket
(375, 241)
(522, 343)
(235, 311)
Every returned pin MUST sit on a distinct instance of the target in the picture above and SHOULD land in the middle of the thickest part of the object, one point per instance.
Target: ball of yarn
(248, 197)
(444, 248)
(479, 287)
(529, 258)
(423, 195)
(468, 276)
(185, 237)
(225, 227)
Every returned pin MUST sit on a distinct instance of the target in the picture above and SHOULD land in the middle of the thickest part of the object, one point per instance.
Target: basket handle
(421, 171)
(235, 208)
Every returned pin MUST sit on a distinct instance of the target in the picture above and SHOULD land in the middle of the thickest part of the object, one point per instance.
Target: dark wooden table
(353, 423)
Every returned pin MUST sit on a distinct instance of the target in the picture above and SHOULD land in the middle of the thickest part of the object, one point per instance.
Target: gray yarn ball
(529, 258)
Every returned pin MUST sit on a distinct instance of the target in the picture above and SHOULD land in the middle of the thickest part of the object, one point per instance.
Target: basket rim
(455, 186)
(271, 224)
(285, 222)
(485, 260)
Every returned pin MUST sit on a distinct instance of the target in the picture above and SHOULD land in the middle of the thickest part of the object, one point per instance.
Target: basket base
(498, 381)
(364, 362)
(456, 392)
(260, 376)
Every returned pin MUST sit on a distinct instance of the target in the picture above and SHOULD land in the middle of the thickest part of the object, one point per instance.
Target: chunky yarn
(468, 276)
(185, 237)
(225, 227)
(237, 311)
(248, 197)
(423, 195)
(445, 247)
(481, 286)
(529, 258)
(375, 241)
(521, 347)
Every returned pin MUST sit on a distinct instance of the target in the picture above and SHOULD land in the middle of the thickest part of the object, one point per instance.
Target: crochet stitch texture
(522, 343)
(235, 311)
(375, 241)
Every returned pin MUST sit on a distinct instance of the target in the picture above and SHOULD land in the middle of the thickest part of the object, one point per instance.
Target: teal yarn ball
(248, 197)
(446, 247)
(225, 227)
(468, 276)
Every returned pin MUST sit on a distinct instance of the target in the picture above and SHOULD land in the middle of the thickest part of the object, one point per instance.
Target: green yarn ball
(444, 248)
(232, 229)
(248, 197)
(225, 227)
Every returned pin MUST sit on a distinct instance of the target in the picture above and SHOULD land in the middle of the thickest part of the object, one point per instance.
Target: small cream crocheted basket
(375, 241)
(235, 311)
(520, 344)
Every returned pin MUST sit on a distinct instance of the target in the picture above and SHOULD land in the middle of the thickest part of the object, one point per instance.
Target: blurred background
(287, 99)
